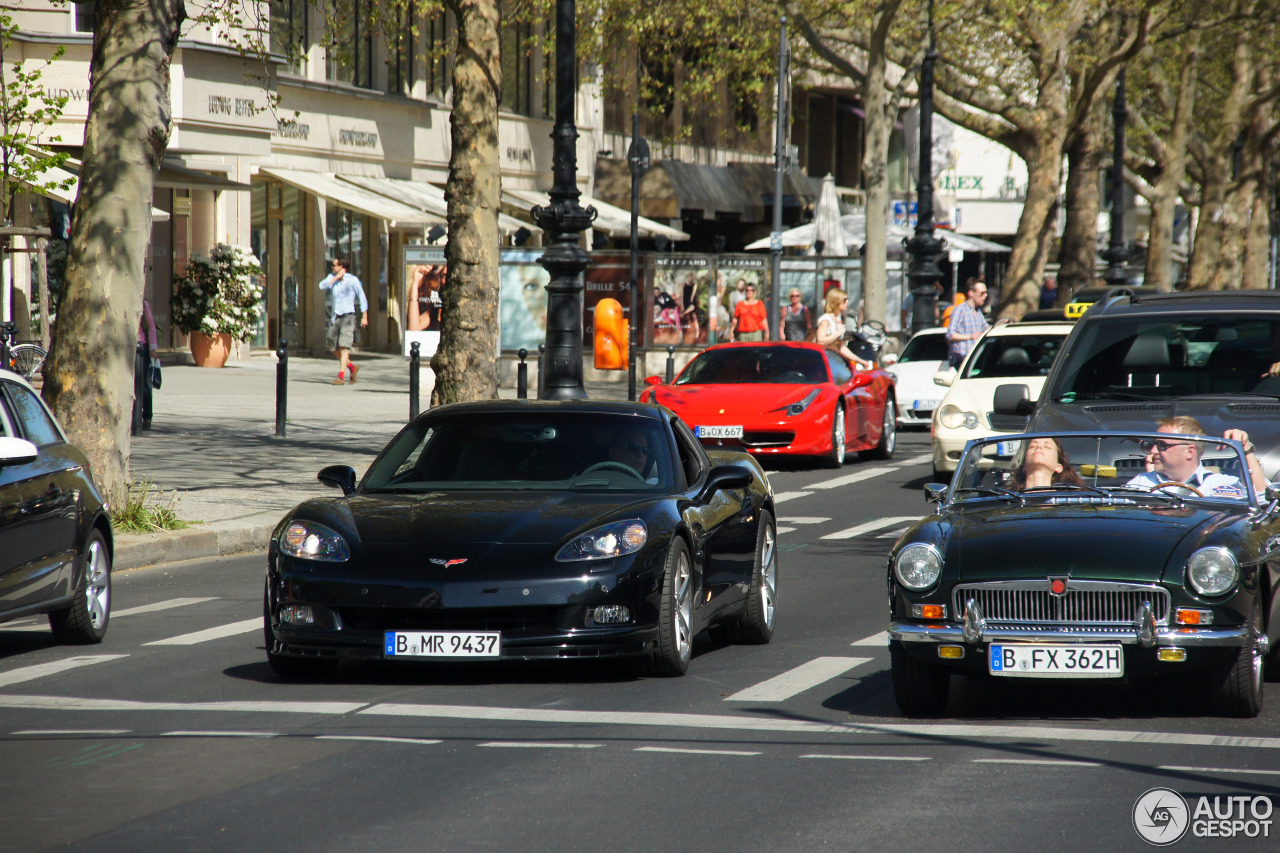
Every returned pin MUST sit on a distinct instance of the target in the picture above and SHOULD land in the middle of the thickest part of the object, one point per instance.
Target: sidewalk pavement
(212, 446)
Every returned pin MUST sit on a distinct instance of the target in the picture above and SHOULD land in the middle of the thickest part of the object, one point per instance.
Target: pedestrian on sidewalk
(750, 323)
(346, 291)
(967, 323)
(148, 341)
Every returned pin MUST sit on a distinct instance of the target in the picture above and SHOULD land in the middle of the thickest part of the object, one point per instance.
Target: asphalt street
(175, 735)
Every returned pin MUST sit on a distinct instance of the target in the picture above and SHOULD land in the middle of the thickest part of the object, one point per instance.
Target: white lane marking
(798, 680)
(894, 534)
(375, 739)
(517, 744)
(219, 734)
(758, 724)
(1037, 762)
(72, 703)
(855, 477)
(872, 757)
(694, 751)
(807, 520)
(205, 636)
(1218, 770)
(786, 496)
(160, 605)
(868, 526)
(785, 529)
(916, 460)
(34, 732)
(881, 639)
(40, 670)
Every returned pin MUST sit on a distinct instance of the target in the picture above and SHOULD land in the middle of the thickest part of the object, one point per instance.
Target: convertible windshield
(773, 364)
(1132, 358)
(1111, 467)
(547, 451)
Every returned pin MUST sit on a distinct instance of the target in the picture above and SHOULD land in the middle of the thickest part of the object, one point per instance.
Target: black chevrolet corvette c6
(516, 530)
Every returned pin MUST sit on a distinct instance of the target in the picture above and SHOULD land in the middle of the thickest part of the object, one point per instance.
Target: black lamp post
(1117, 254)
(924, 247)
(637, 164)
(564, 220)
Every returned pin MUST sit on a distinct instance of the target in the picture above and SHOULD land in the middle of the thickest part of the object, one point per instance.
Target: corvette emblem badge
(447, 563)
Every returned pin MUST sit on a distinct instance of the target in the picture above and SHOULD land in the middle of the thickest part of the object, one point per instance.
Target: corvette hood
(1094, 541)
(721, 403)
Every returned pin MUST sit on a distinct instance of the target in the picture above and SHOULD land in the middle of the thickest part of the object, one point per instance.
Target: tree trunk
(1172, 160)
(1080, 235)
(465, 363)
(88, 377)
(880, 114)
(1036, 227)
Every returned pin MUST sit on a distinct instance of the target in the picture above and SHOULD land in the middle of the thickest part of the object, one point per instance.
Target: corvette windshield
(1113, 467)
(533, 451)
(773, 365)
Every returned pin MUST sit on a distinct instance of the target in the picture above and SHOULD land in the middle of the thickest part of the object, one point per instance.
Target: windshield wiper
(1072, 396)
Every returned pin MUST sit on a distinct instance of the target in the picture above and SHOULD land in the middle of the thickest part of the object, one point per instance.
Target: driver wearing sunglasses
(1177, 460)
(632, 449)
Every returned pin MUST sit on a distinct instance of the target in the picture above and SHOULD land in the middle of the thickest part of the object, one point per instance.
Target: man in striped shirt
(967, 323)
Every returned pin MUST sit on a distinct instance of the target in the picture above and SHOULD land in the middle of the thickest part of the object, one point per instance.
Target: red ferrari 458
(780, 397)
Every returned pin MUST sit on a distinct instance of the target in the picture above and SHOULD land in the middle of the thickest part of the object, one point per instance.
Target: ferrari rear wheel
(835, 458)
(755, 627)
(921, 689)
(675, 613)
(290, 667)
(1238, 687)
(888, 431)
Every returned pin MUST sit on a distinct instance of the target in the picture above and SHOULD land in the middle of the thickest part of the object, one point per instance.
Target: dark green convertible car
(1083, 555)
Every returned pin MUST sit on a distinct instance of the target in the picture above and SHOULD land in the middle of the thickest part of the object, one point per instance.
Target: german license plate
(1006, 448)
(924, 404)
(1061, 661)
(719, 431)
(443, 644)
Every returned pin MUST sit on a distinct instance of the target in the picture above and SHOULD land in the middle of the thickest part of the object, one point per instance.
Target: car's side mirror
(17, 451)
(888, 359)
(935, 492)
(945, 378)
(724, 477)
(1013, 400)
(341, 476)
(653, 380)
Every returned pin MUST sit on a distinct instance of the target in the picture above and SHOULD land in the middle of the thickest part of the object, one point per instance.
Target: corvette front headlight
(952, 416)
(1213, 570)
(610, 540)
(918, 566)
(308, 540)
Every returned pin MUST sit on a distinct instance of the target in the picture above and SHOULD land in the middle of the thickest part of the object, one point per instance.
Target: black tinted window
(36, 420)
(925, 348)
(1014, 355)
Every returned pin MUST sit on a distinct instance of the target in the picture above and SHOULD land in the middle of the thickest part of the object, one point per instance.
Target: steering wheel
(1169, 484)
(610, 465)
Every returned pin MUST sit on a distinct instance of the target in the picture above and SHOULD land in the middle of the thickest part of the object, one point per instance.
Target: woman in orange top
(750, 321)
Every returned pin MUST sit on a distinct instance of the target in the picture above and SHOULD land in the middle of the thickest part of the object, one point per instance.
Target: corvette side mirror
(340, 476)
(724, 477)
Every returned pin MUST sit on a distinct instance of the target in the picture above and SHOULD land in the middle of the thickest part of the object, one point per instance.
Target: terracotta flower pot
(210, 350)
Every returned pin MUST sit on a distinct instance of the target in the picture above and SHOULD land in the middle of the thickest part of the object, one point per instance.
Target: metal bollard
(522, 375)
(282, 386)
(542, 353)
(671, 363)
(415, 361)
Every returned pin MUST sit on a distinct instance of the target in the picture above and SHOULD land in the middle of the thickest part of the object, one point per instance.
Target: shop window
(289, 34)
(344, 238)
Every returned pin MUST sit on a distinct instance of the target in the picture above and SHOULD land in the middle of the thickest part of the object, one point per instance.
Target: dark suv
(1135, 357)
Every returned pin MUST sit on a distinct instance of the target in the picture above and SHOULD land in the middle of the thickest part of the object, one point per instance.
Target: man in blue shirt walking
(347, 292)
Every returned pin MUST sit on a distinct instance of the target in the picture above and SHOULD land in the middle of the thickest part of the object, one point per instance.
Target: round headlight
(952, 416)
(1212, 571)
(918, 566)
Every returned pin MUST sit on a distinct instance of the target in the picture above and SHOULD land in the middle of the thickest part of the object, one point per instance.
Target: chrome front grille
(1089, 604)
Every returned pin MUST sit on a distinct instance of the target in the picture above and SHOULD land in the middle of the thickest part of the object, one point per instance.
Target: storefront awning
(174, 175)
(612, 220)
(341, 192)
(426, 197)
(66, 194)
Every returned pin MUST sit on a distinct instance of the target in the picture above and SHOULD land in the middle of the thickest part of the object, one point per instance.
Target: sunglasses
(636, 448)
(1160, 445)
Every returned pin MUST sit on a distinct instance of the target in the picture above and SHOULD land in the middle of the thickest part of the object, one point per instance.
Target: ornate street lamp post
(563, 221)
(1117, 254)
(924, 247)
(638, 164)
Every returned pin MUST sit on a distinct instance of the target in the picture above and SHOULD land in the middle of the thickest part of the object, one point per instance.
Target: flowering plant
(219, 294)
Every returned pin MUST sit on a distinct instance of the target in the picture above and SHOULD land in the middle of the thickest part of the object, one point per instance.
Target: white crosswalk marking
(211, 634)
(881, 640)
(807, 520)
(855, 477)
(916, 460)
(785, 529)
(868, 526)
(786, 496)
(894, 534)
(159, 605)
(40, 670)
(797, 680)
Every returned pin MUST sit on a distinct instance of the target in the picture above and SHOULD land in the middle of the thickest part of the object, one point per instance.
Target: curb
(219, 539)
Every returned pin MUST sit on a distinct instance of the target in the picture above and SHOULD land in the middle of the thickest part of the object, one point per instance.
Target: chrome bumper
(910, 632)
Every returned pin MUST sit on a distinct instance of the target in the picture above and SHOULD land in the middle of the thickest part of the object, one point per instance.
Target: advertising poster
(424, 271)
(522, 300)
(681, 289)
(607, 276)
(733, 275)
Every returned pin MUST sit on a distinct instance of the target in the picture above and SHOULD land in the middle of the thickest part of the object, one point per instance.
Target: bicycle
(26, 360)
